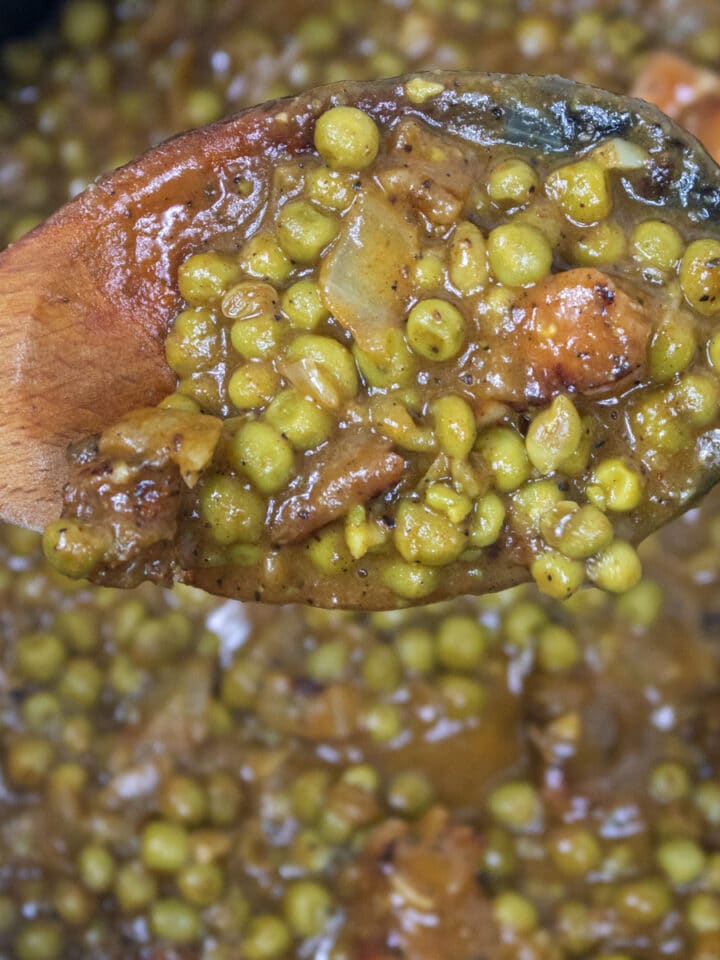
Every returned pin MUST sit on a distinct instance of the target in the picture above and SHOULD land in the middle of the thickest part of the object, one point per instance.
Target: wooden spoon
(86, 298)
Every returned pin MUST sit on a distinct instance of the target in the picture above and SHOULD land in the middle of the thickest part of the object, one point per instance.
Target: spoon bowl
(86, 298)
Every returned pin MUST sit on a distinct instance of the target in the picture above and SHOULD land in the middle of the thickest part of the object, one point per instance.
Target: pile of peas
(282, 342)
(633, 885)
(219, 794)
(112, 79)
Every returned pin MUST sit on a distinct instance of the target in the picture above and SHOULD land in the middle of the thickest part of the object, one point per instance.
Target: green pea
(81, 683)
(446, 500)
(425, 536)
(67, 778)
(309, 852)
(41, 712)
(234, 513)
(39, 940)
(347, 138)
(39, 656)
(329, 188)
(454, 426)
(96, 867)
(681, 860)
(599, 245)
(522, 621)
(28, 761)
(263, 257)
(467, 259)
(307, 906)
(73, 904)
(263, 454)
(74, 548)
(672, 349)
(410, 581)
(465, 697)
(669, 782)
(700, 276)
(328, 551)
(78, 628)
(362, 776)
(641, 605)
(416, 649)
(616, 568)
(240, 683)
(381, 669)
(643, 902)
(253, 385)
(303, 306)
(487, 520)
(202, 105)
(557, 649)
(657, 244)
(553, 435)
(698, 397)
(576, 464)
(328, 661)
(383, 721)
(519, 254)
(183, 799)
(85, 23)
(256, 339)
(577, 531)
(706, 798)
(201, 883)
(461, 643)
(124, 677)
(193, 342)
(500, 859)
(557, 575)
(251, 300)
(165, 846)
(267, 937)
(703, 913)
(616, 487)
(304, 231)
(225, 798)
(308, 794)
(429, 271)
(135, 887)
(514, 912)
(392, 367)
(575, 851)
(205, 277)
(323, 369)
(504, 452)
(175, 921)
(410, 793)
(581, 190)
(435, 329)
(512, 183)
(303, 422)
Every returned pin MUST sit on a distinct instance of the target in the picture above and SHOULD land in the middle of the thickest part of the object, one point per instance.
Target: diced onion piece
(152, 435)
(364, 280)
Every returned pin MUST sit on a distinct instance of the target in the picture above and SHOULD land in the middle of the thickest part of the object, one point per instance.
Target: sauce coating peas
(409, 844)
(347, 139)
(429, 368)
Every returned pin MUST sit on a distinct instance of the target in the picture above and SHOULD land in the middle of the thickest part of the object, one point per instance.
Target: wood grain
(86, 299)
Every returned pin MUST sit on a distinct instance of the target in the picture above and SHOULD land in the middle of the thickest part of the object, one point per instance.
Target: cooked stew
(506, 777)
(430, 368)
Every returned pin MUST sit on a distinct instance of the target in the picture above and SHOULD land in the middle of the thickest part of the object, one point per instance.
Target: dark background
(21, 17)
